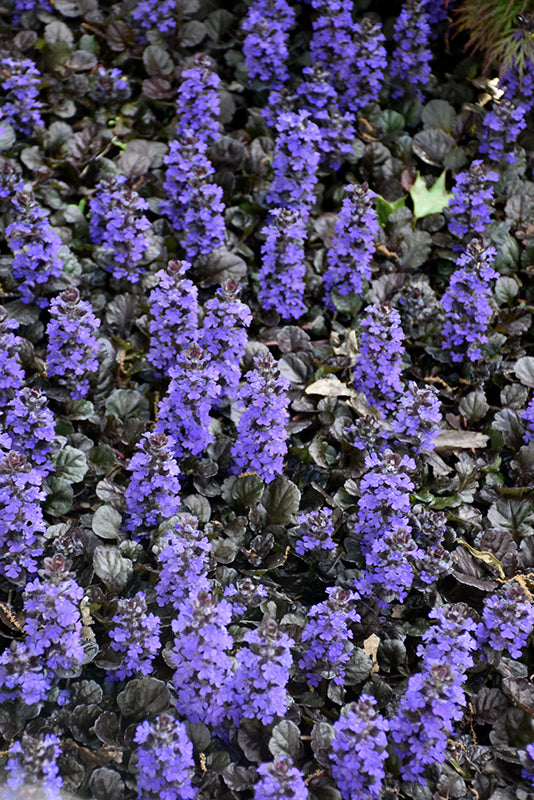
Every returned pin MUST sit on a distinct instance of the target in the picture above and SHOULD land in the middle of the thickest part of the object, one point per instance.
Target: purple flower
(267, 26)
(184, 412)
(52, 647)
(118, 226)
(418, 416)
(500, 128)
(428, 530)
(186, 161)
(295, 162)
(280, 780)
(21, 83)
(163, 16)
(135, 634)
(326, 639)
(410, 64)
(21, 518)
(35, 245)
(11, 372)
(165, 760)
(353, 245)
(72, 344)
(153, 493)
(359, 750)
(507, 620)
(262, 674)
(378, 370)
(203, 668)
(173, 315)
(282, 273)
(198, 104)
(183, 555)
(369, 66)
(31, 427)
(315, 532)
(471, 207)
(52, 621)
(223, 335)
(33, 762)
(332, 43)
(527, 761)
(262, 434)
(466, 303)
(110, 85)
(528, 420)
(434, 699)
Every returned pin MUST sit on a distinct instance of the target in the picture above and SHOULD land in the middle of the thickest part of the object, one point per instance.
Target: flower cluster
(30, 425)
(110, 85)
(183, 556)
(153, 493)
(470, 210)
(11, 372)
(33, 761)
(359, 750)
(262, 674)
(198, 104)
(507, 620)
(283, 269)
(266, 26)
(261, 442)
(223, 335)
(500, 128)
(378, 370)
(135, 634)
(295, 162)
(418, 416)
(173, 315)
(410, 64)
(21, 83)
(320, 99)
(118, 225)
(528, 420)
(165, 760)
(369, 65)
(21, 517)
(331, 44)
(383, 527)
(161, 16)
(35, 245)
(203, 668)
(326, 639)
(428, 530)
(353, 245)
(315, 532)
(52, 647)
(434, 698)
(72, 344)
(466, 303)
(280, 779)
(184, 412)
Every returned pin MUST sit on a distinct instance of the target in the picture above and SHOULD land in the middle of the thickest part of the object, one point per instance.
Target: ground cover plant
(266, 400)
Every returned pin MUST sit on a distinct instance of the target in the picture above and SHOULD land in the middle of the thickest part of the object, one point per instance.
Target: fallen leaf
(460, 439)
(370, 646)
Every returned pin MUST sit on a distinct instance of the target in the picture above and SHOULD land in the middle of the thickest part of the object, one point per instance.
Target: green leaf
(106, 522)
(59, 501)
(281, 500)
(126, 403)
(114, 570)
(70, 464)
(385, 209)
(429, 201)
(285, 740)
